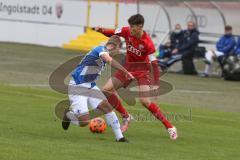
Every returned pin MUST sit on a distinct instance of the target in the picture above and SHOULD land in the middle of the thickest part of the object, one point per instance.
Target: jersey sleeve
(122, 32)
(101, 51)
(151, 48)
(152, 57)
(119, 31)
(107, 32)
(98, 51)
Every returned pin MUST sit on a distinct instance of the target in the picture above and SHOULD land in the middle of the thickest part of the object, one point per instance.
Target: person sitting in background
(176, 38)
(231, 64)
(237, 48)
(185, 50)
(165, 51)
(224, 46)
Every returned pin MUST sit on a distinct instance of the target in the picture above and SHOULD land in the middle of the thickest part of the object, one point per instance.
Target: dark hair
(228, 28)
(136, 19)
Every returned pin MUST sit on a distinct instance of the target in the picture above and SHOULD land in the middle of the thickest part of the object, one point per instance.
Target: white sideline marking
(197, 92)
(29, 85)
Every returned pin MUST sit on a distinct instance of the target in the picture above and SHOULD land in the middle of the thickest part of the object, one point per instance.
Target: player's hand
(130, 76)
(97, 29)
(175, 51)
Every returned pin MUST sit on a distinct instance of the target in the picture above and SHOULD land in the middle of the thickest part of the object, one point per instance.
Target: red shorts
(143, 78)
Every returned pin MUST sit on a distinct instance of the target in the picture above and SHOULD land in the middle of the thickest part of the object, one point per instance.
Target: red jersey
(137, 49)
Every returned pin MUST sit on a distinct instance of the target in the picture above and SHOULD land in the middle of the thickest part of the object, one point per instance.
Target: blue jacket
(237, 49)
(226, 44)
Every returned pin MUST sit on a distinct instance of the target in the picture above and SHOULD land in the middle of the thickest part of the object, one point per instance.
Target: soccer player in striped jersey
(84, 93)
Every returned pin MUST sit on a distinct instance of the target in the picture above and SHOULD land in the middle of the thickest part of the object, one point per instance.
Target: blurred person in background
(237, 48)
(185, 50)
(224, 47)
(176, 37)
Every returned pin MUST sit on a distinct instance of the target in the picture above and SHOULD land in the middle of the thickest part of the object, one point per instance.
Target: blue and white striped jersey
(90, 67)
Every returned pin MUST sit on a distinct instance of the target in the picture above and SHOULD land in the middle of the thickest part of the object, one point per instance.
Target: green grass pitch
(206, 114)
(29, 130)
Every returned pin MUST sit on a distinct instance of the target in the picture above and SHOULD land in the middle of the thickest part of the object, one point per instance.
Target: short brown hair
(114, 40)
(228, 28)
(136, 19)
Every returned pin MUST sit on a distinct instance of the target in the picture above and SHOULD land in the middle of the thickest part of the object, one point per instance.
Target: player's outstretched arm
(108, 59)
(105, 31)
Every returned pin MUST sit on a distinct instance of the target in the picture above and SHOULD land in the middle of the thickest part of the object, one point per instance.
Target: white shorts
(82, 97)
(210, 54)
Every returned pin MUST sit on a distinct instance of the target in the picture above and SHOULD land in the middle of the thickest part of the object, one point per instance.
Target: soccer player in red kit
(139, 57)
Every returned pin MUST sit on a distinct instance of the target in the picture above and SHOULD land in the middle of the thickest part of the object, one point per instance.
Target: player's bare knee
(107, 89)
(105, 107)
(111, 86)
(107, 92)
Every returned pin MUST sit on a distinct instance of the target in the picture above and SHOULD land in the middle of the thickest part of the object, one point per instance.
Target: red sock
(115, 102)
(159, 115)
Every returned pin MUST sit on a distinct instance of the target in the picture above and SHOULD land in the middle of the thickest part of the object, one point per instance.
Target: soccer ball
(97, 125)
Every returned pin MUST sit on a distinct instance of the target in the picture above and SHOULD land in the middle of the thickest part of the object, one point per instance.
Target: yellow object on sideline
(86, 41)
